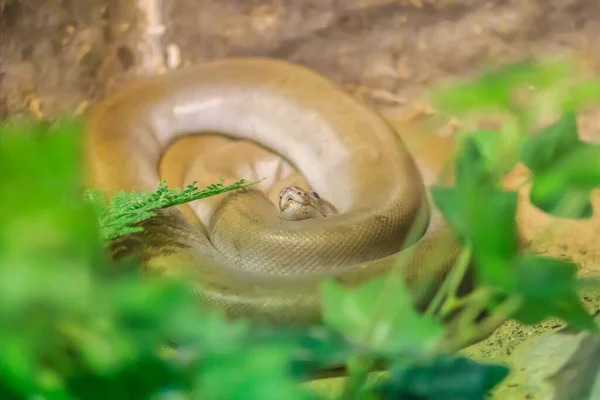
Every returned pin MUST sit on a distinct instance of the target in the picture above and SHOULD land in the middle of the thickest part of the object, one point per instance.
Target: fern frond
(120, 215)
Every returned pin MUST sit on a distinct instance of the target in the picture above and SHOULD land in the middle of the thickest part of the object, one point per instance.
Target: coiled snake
(251, 262)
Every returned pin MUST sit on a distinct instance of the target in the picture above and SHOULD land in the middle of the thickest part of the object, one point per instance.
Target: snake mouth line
(289, 200)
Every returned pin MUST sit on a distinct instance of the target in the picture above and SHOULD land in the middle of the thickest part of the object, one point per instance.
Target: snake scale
(251, 262)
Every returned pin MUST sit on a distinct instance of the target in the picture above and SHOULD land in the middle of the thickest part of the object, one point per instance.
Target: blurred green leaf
(489, 143)
(379, 314)
(580, 94)
(543, 150)
(565, 169)
(313, 349)
(472, 168)
(498, 149)
(568, 95)
(495, 89)
(481, 213)
(548, 288)
(257, 373)
(141, 379)
(564, 189)
(486, 219)
(442, 378)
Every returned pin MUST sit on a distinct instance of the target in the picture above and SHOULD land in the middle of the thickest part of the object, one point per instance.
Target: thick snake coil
(251, 262)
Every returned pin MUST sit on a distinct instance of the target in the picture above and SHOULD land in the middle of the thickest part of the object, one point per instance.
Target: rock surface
(559, 365)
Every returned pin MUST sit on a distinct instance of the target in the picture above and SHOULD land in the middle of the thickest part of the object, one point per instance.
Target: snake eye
(316, 195)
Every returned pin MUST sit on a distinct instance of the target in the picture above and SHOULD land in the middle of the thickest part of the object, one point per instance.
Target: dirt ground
(59, 57)
(60, 53)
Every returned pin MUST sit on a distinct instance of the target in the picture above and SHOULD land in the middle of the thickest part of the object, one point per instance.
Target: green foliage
(547, 287)
(78, 325)
(75, 325)
(119, 215)
(464, 379)
(526, 90)
(474, 201)
(495, 89)
(524, 286)
(397, 327)
(565, 169)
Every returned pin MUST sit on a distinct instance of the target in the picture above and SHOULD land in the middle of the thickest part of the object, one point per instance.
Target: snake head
(296, 204)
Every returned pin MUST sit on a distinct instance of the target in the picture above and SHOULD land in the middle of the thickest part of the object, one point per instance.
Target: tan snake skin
(250, 262)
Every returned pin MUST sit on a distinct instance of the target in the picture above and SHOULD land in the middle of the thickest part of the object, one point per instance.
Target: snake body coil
(251, 262)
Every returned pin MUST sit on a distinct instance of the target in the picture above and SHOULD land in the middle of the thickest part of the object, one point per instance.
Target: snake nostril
(316, 195)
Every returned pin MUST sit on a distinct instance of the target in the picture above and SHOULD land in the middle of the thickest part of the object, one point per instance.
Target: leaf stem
(358, 371)
(468, 331)
(451, 283)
